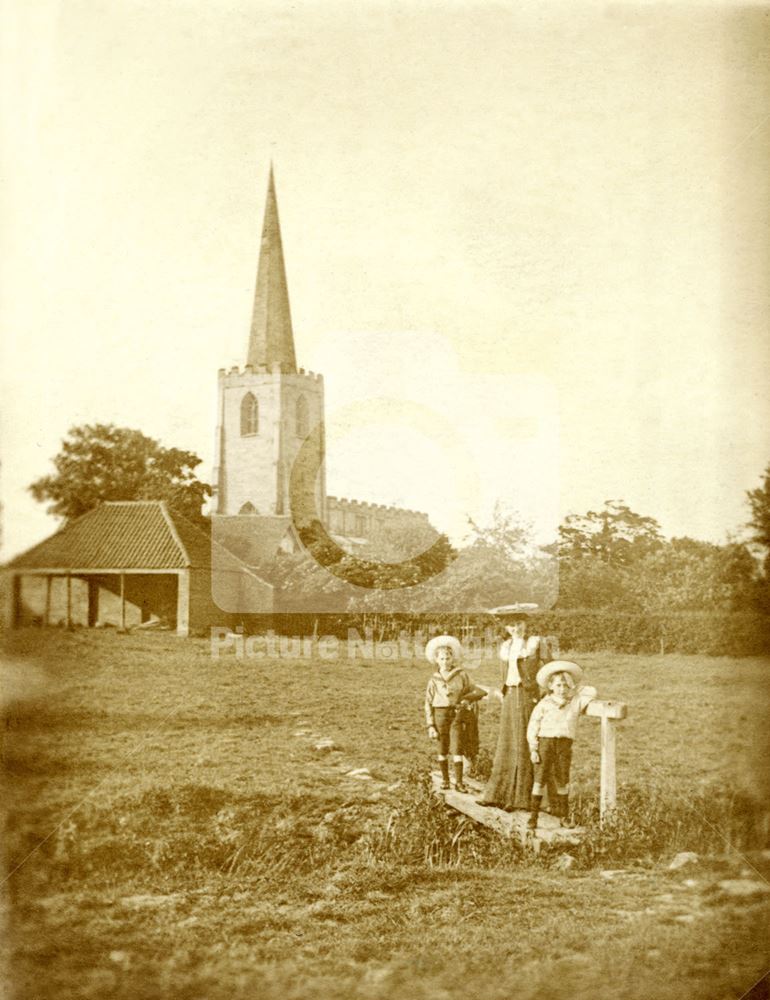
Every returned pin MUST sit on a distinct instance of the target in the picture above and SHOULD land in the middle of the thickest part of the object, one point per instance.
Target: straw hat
(438, 641)
(513, 611)
(545, 673)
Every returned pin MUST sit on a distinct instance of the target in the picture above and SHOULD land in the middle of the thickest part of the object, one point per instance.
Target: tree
(592, 584)
(506, 532)
(100, 462)
(401, 555)
(615, 535)
(380, 575)
(599, 554)
(502, 565)
(759, 502)
(690, 575)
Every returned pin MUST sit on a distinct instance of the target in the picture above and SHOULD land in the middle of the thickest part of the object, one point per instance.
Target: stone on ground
(683, 859)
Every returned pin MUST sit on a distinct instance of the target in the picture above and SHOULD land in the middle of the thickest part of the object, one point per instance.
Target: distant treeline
(611, 580)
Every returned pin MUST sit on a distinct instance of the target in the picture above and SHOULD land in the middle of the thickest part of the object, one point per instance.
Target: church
(270, 443)
(135, 563)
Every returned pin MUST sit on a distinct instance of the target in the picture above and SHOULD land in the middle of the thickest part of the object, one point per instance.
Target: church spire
(272, 340)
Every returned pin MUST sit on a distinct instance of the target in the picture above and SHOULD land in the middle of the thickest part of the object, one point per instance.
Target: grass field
(172, 832)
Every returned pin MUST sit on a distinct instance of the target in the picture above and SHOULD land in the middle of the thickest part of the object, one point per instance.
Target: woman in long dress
(521, 655)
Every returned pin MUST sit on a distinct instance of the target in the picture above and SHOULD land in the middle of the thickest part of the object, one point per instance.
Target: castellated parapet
(367, 507)
(232, 375)
(360, 519)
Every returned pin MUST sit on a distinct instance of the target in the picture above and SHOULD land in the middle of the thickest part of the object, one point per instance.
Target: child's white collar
(566, 701)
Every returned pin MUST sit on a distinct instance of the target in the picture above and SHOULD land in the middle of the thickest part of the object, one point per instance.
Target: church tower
(271, 413)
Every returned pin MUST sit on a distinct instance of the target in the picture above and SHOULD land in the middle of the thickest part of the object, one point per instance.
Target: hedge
(705, 633)
(725, 634)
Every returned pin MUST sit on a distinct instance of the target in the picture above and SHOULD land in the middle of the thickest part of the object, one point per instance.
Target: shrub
(653, 823)
(423, 831)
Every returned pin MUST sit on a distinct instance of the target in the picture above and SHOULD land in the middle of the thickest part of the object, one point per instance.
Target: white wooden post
(609, 712)
(607, 783)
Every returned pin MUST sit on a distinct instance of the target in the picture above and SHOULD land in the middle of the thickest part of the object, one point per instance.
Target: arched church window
(301, 415)
(249, 415)
(248, 508)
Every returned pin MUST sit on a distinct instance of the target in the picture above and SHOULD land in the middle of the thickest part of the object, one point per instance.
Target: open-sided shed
(125, 563)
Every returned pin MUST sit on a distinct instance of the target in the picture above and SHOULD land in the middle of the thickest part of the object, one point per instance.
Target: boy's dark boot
(459, 786)
(563, 811)
(534, 811)
(444, 765)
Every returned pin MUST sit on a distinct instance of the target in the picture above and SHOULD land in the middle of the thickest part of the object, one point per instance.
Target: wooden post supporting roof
(122, 602)
(10, 594)
(183, 603)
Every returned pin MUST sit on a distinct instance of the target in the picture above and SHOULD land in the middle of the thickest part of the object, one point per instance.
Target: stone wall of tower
(253, 470)
(303, 446)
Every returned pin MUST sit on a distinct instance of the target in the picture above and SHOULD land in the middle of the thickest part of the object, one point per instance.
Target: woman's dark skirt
(510, 783)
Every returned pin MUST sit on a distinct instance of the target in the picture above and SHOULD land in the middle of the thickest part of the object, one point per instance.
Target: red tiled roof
(203, 550)
(129, 534)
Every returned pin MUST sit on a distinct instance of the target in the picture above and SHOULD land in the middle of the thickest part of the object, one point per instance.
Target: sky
(526, 243)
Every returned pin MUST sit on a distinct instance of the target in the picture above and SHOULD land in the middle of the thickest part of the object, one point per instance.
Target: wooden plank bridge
(549, 829)
(507, 824)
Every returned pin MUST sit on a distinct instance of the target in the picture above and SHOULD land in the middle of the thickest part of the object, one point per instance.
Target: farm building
(127, 563)
(130, 562)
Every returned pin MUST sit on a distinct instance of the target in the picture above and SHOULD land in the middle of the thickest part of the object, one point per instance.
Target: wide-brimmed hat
(545, 673)
(506, 612)
(438, 641)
